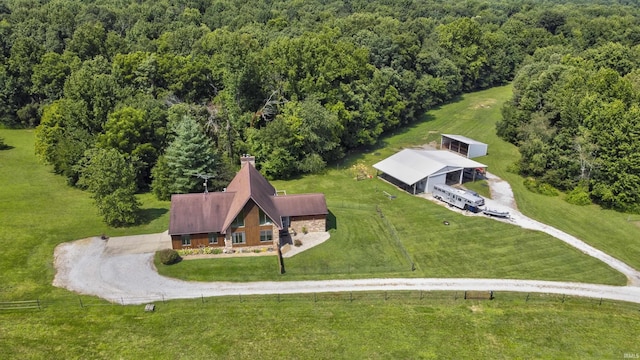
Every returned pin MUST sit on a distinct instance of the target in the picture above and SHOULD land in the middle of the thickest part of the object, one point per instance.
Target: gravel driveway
(93, 267)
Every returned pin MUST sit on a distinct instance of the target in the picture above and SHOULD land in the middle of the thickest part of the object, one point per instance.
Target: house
(463, 145)
(249, 213)
(417, 171)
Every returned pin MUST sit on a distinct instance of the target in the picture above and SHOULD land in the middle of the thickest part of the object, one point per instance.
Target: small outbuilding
(418, 171)
(463, 145)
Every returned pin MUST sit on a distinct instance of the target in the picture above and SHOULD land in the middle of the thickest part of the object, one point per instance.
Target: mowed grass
(475, 247)
(404, 325)
(361, 245)
(475, 116)
(39, 211)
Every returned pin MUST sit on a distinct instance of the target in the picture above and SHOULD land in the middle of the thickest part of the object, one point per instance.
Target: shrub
(169, 256)
(217, 251)
(514, 168)
(579, 196)
(539, 187)
(304, 230)
(297, 242)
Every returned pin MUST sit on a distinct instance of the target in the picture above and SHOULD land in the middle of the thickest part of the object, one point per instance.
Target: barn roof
(463, 139)
(411, 166)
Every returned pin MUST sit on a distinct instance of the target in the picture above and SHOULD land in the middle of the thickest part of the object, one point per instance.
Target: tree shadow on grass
(148, 215)
(332, 222)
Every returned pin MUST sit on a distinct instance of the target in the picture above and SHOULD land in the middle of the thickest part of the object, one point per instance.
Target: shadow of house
(332, 222)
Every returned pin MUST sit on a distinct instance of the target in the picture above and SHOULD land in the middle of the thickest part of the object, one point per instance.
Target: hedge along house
(417, 171)
(248, 213)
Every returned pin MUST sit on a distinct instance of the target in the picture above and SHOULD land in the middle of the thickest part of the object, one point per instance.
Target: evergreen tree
(191, 153)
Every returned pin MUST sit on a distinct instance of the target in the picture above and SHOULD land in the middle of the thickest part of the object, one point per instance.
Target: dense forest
(144, 95)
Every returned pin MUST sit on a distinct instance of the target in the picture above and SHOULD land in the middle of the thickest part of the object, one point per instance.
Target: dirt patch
(485, 104)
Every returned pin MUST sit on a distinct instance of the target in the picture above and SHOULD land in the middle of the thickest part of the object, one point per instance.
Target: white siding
(436, 179)
(476, 150)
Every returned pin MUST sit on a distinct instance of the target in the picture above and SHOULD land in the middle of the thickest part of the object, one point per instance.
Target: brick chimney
(246, 158)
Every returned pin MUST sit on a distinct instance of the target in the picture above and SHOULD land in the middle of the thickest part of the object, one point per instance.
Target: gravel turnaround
(133, 279)
(89, 266)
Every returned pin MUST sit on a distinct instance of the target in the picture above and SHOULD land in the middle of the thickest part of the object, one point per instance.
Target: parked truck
(462, 199)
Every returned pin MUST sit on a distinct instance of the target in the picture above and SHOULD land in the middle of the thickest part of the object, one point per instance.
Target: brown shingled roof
(301, 205)
(198, 213)
(250, 184)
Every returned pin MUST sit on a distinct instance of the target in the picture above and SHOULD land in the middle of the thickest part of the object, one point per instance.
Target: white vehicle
(462, 199)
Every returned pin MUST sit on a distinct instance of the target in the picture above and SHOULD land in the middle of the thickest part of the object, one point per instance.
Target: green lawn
(469, 247)
(328, 326)
(38, 211)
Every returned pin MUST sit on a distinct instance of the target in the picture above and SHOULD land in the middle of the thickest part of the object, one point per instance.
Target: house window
(264, 219)
(186, 240)
(266, 235)
(213, 238)
(238, 238)
(239, 220)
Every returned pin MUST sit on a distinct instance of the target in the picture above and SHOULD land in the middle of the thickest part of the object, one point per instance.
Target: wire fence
(395, 237)
(415, 297)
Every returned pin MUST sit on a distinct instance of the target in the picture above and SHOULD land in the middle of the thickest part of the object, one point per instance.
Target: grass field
(38, 211)
(469, 247)
(403, 325)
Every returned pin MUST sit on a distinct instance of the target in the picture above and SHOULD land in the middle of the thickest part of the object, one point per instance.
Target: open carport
(417, 171)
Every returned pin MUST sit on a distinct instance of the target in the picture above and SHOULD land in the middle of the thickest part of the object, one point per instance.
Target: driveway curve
(85, 267)
(92, 267)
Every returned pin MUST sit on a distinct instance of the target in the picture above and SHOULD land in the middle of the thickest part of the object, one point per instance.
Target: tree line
(575, 117)
(297, 84)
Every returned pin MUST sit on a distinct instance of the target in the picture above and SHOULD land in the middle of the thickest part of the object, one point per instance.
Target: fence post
(527, 298)
(420, 294)
(350, 296)
(38, 301)
(385, 296)
(600, 301)
(315, 297)
(122, 300)
(278, 297)
(81, 305)
(202, 298)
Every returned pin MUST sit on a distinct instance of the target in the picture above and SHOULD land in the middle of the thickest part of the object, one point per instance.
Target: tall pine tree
(191, 153)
